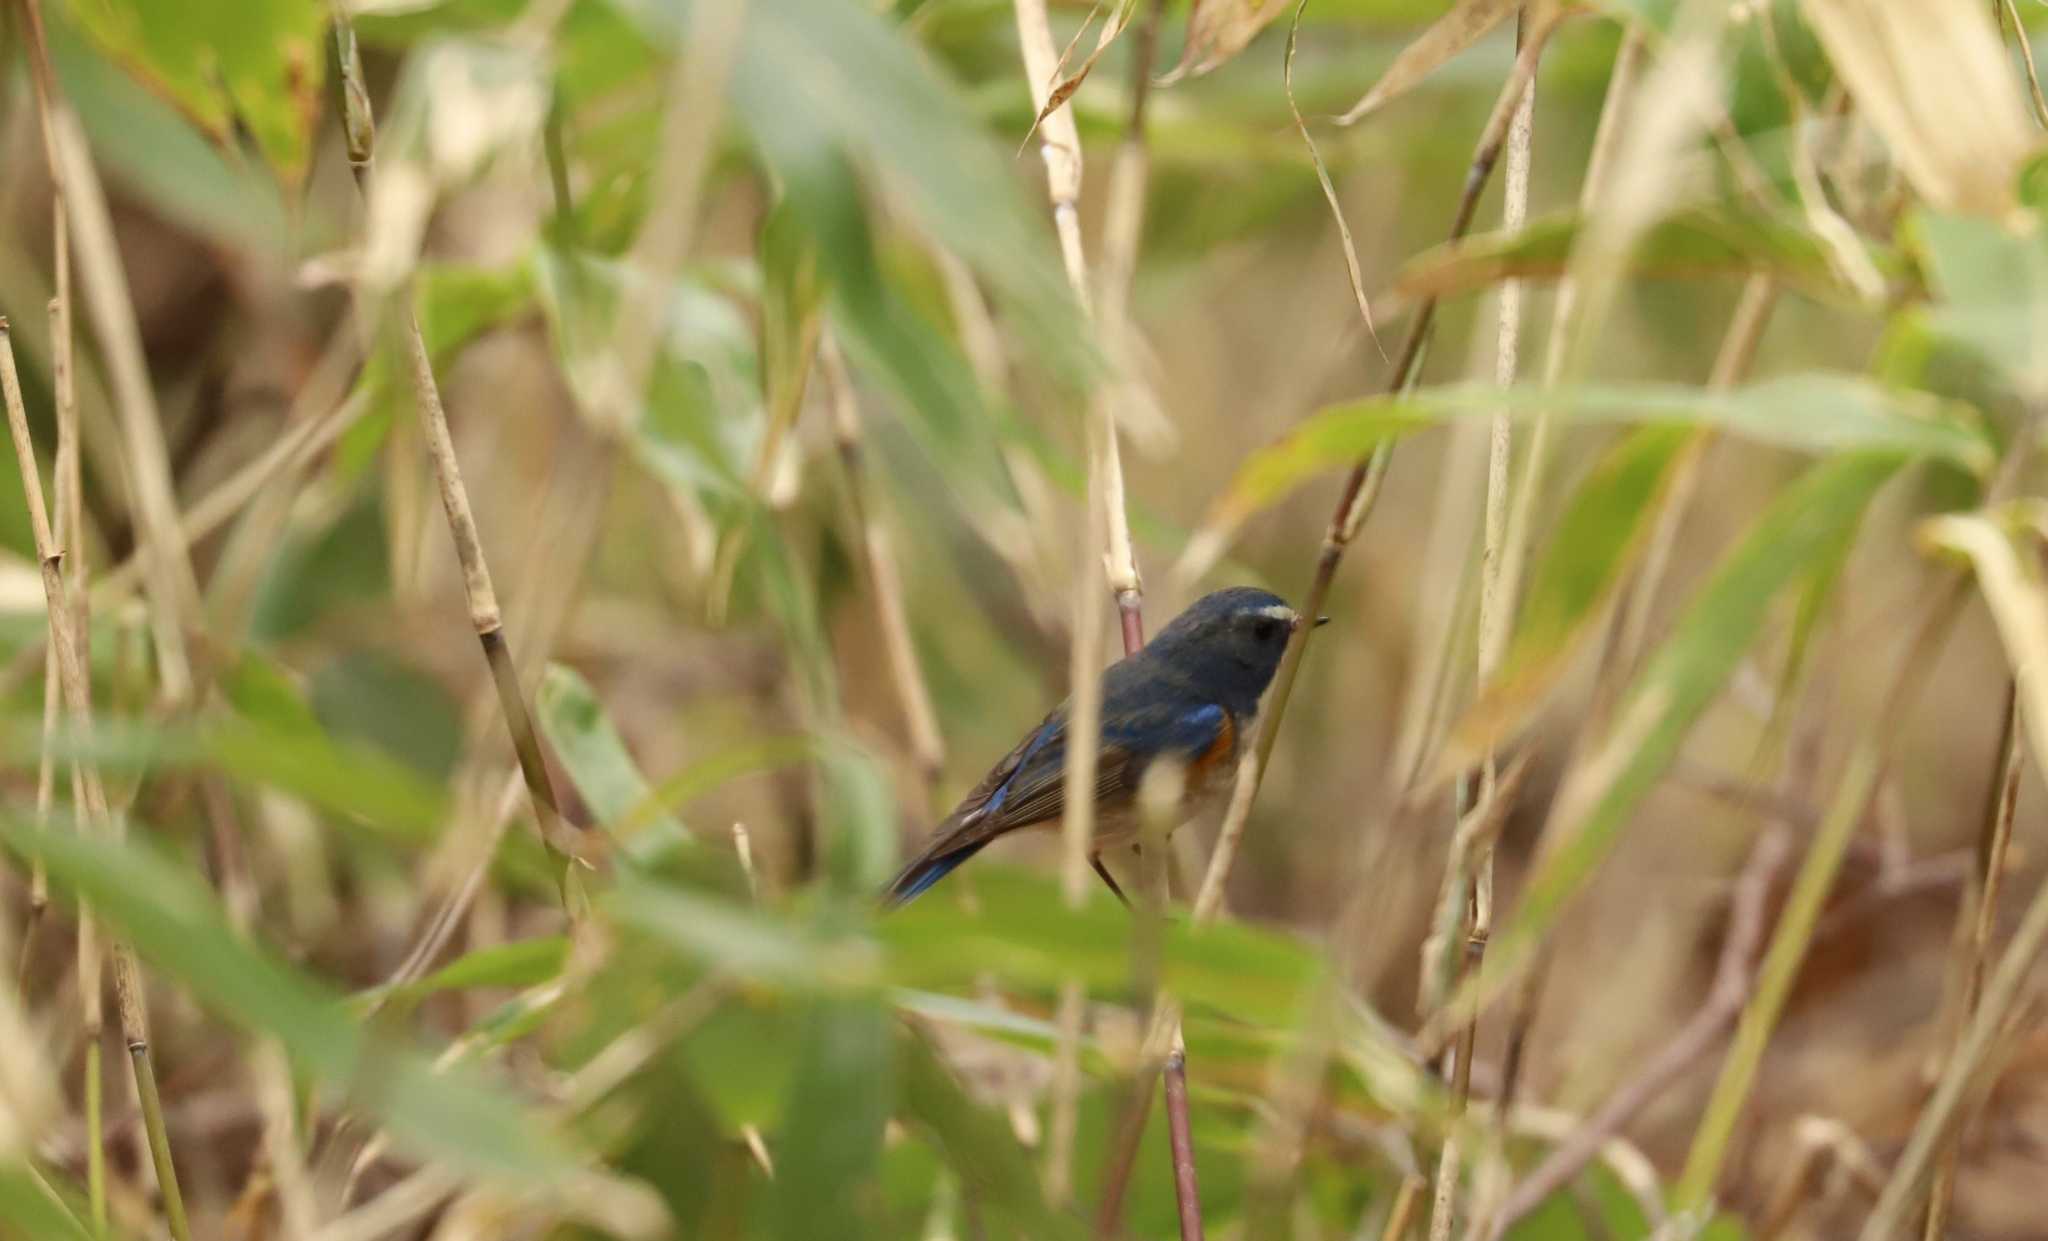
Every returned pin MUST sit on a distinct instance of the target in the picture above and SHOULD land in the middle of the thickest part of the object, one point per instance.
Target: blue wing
(1029, 785)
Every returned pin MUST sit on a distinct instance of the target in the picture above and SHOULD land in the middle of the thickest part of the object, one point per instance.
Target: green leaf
(150, 148)
(1803, 528)
(1689, 244)
(941, 940)
(1584, 560)
(742, 940)
(1991, 291)
(29, 1208)
(1819, 412)
(521, 963)
(829, 1145)
(250, 64)
(842, 73)
(583, 737)
(978, 1145)
(179, 928)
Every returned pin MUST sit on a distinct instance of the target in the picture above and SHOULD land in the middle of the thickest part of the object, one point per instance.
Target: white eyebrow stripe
(1278, 611)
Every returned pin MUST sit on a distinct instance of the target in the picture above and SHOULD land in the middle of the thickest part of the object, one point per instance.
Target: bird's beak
(1321, 621)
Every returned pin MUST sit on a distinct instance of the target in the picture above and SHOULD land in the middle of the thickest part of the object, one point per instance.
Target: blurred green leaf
(978, 1144)
(860, 818)
(744, 941)
(520, 963)
(942, 940)
(1820, 412)
(739, 759)
(1803, 527)
(28, 1210)
(829, 1144)
(362, 785)
(250, 64)
(1991, 291)
(152, 149)
(319, 570)
(583, 737)
(377, 700)
(1691, 243)
(1597, 537)
(176, 924)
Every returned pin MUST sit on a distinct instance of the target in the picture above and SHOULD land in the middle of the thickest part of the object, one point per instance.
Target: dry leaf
(1064, 89)
(1448, 35)
(1219, 30)
(1934, 81)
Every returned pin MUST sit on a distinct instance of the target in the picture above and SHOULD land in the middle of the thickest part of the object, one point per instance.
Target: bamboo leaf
(179, 928)
(1584, 560)
(740, 939)
(255, 64)
(1934, 81)
(1818, 412)
(521, 963)
(1465, 23)
(29, 1205)
(575, 724)
(1218, 30)
(1691, 243)
(830, 1143)
(1991, 286)
(1802, 528)
(978, 1144)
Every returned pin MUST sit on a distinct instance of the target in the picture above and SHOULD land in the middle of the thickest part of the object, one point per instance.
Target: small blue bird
(1189, 695)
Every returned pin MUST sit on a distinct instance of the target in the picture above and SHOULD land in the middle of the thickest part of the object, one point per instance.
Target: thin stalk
(1816, 875)
(1607, 136)
(2009, 17)
(1355, 501)
(878, 554)
(1106, 522)
(1405, 1201)
(95, 1136)
(287, 454)
(73, 677)
(1361, 487)
(1496, 611)
(486, 621)
(1746, 918)
(1979, 916)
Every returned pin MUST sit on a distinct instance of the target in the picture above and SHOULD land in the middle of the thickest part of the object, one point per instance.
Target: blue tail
(923, 873)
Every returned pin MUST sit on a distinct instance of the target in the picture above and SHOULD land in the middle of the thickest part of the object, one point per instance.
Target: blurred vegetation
(722, 298)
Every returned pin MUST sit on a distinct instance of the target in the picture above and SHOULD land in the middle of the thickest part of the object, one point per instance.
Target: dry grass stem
(73, 677)
(1810, 886)
(1565, 306)
(885, 581)
(478, 591)
(2009, 20)
(2020, 610)
(1496, 610)
(1748, 909)
(1980, 913)
(1106, 525)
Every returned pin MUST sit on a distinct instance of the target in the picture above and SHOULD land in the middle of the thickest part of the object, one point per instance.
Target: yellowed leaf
(1219, 30)
(1935, 83)
(1064, 88)
(1448, 35)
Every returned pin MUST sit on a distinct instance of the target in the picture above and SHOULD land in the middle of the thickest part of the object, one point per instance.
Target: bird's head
(1230, 641)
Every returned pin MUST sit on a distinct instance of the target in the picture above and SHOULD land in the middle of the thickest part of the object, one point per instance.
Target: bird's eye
(1265, 628)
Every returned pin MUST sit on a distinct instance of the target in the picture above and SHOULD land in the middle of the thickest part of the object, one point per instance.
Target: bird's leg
(1095, 860)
